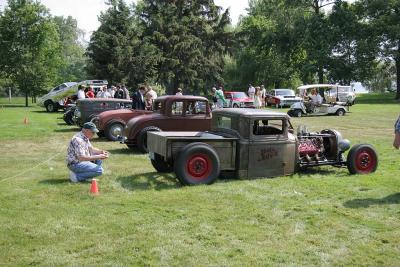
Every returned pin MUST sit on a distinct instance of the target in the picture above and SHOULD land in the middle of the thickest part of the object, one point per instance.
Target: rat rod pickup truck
(248, 143)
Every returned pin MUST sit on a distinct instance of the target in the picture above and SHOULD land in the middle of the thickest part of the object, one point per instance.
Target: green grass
(321, 217)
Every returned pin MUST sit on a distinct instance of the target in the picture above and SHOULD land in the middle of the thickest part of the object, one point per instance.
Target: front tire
(362, 159)
(69, 117)
(51, 106)
(340, 112)
(114, 130)
(235, 105)
(297, 113)
(142, 138)
(197, 163)
(160, 165)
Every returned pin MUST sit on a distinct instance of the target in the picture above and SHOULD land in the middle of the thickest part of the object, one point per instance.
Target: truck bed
(167, 144)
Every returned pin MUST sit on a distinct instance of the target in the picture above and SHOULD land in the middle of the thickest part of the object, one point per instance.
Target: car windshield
(239, 95)
(286, 92)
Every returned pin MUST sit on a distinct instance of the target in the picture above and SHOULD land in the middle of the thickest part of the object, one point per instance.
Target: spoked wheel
(197, 163)
(362, 159)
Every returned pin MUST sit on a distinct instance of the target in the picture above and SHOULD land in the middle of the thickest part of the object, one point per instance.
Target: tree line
(193, 45)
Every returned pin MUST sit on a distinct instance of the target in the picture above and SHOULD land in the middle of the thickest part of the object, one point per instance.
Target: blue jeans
(86, 169)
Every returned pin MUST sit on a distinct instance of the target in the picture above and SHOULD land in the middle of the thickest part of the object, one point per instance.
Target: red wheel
(199, 166)
(362, 159)
(197, 163)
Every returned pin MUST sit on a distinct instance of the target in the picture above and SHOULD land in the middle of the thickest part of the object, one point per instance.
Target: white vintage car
(52, 101)
(281, 97)
(330, 104)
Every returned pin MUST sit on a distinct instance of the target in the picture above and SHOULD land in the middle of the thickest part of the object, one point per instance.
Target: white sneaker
(72, 177)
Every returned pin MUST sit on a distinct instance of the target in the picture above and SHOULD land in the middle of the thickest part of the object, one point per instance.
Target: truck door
(271, 152)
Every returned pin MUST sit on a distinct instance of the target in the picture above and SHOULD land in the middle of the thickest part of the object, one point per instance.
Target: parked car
(54, 100)
(329, 106)
(113, 122)
(247, 143)
(51, 100)
(281, 97)
(238, 100)
(88, 109)
(172, 113)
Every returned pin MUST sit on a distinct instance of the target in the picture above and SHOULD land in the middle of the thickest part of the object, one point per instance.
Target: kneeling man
(83, 160)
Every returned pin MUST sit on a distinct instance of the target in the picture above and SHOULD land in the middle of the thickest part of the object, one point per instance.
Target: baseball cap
(90, 126)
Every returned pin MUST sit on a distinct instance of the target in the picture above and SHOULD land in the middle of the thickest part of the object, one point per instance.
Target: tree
(353, 46)
(29, 46)
(72, 67)
(191, 40)
(384, 17)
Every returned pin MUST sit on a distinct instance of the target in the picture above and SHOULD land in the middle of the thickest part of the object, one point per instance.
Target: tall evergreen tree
(29, 46)
(191, 40)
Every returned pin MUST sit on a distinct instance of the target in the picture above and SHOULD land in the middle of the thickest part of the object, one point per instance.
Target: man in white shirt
(316, 98)
(81, 92)
(103, 93)
(251, 91)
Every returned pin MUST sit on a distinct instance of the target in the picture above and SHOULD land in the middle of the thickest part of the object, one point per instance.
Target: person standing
(263, 95)
(150, 96)
(138, 101)
(179, 92)
(103, 93)
(257, 97)
(125, 92)
(396, 142)
(251, 91)
(81, 92)
(90, 93)
(119, 93)
(111, 91)
(220, 98)
(83, 160)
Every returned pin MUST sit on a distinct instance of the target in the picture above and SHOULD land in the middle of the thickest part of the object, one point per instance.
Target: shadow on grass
(320, 171)
(125, 151)
(146, 181)
(54, 181)
(66, 130)
(14, 106)
(366, 202)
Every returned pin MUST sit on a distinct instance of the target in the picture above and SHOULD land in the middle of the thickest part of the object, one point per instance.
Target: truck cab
(247, 143)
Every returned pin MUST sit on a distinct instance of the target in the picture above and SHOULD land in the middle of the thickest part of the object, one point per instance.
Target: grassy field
(320, 217)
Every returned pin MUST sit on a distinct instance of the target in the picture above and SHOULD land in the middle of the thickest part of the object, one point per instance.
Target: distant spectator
(251, 91)
(214, 96)
(179, 92)
(126, 92)
(257, 97)
(396, 142)
(263, 95)
(103, 93)
(138, 100)
(81, 92)
(90, 93)
(111, 90)
(150, 96)
(119, 93)
(220, 97)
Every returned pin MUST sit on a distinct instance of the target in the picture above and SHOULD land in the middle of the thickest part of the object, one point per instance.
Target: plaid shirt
(78, 146)
(397, 126)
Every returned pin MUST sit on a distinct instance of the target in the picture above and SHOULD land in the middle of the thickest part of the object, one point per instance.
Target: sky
(86, 11)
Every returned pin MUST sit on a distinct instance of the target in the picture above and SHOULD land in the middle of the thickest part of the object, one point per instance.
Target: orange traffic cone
(94, 190)
(26, 121)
